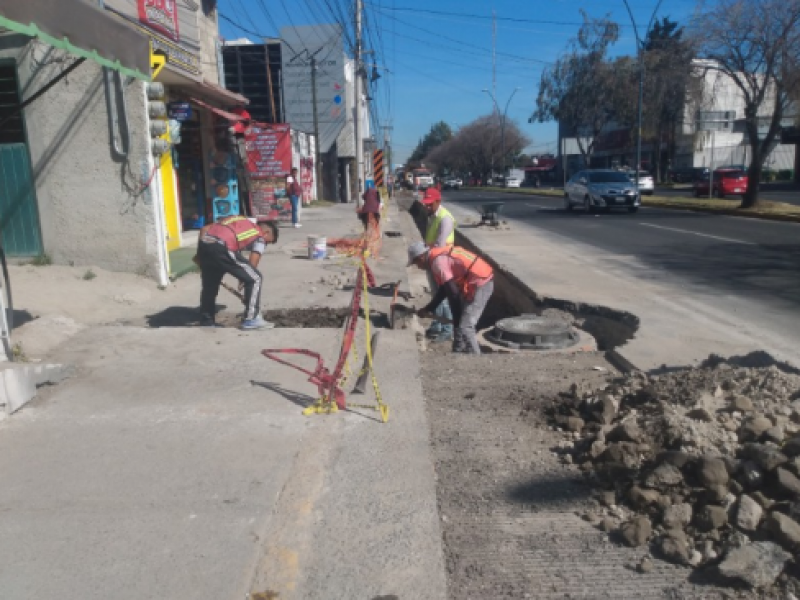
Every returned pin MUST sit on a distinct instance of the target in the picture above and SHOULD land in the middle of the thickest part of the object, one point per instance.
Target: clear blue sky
(436, 57)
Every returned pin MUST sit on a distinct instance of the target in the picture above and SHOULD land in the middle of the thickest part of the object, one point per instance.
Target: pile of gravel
(702, 465)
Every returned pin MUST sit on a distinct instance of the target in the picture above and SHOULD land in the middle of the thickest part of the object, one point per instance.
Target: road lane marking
(713, 237)
(537, 206)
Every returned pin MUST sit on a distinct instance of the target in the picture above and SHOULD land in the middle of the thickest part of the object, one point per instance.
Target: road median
(767, 210)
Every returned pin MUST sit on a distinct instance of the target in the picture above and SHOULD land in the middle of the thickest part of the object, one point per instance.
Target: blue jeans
(295, 200)
(442, 329)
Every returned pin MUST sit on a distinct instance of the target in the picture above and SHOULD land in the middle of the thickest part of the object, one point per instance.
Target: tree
(476, 147)
(668, 84)
(439, 133)
(581, 89)
(756, 44)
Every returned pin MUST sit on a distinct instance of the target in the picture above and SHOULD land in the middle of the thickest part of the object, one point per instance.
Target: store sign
(180, 111)
(160, 15)
(269, 150)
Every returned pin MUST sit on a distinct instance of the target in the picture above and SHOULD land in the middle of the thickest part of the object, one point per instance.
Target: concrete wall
(208, 27)
(91, 207)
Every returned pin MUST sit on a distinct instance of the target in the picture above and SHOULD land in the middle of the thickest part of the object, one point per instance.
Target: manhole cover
(532, 332)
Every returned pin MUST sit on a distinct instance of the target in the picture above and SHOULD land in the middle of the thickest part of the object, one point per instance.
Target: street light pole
(640, 52)
(502, 127)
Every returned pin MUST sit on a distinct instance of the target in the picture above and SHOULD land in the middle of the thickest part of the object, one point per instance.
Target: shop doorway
(19, 212)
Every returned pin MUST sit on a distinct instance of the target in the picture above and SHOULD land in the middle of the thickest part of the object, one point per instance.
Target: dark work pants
(215, 261)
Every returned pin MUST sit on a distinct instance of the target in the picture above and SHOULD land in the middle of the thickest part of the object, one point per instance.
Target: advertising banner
(268, 199)
(161, 16)
(269, 150)
(307, 179)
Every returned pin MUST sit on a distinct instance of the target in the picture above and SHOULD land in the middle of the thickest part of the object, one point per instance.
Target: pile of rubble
(701, 464)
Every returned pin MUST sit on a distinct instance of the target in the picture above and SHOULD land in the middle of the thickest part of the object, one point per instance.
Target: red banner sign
(160, 15)
(269, 150)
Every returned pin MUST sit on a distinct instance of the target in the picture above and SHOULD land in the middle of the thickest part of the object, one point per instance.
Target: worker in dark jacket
(219, 252)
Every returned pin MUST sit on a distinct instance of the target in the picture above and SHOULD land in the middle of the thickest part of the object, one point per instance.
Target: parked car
(727, 182)
(646, 184)
(451, 183)
(687, 174)
(513, 182)
(601, 188)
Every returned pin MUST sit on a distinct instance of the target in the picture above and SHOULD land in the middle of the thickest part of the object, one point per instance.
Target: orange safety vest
(472, 264)
(236, 232)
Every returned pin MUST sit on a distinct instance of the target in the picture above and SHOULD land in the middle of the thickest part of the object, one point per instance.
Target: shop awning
(217, 111)
(83, 29)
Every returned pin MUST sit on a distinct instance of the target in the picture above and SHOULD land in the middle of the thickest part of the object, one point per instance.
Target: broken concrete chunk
(570, 423)
(787, 484)
(665, 475)
(766, 457)
(758, 564)
(741, 404)
(642, 498)
(626, 432)
(785, 530)
(712, 472)
(754, 428)
(792, 447)
(637, 531)
(711, 517)
(674, 546)
(748, 513)
(677, 516)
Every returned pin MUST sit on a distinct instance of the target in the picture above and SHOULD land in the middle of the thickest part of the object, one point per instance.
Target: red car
(727, 182)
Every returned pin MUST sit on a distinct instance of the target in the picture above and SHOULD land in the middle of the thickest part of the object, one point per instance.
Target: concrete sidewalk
(175, 463)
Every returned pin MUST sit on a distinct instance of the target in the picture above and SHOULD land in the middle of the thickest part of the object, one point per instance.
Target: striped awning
(81, 28)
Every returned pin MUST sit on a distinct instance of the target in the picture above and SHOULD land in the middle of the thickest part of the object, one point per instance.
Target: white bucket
(317, 247)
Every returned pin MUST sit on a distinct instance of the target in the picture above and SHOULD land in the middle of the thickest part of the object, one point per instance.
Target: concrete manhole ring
(532, 332)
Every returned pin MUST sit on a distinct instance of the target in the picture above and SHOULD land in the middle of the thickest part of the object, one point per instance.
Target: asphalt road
(775, 195)
(746, 267)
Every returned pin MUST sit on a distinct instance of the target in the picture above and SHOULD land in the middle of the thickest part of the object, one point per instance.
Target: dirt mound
(701, 464)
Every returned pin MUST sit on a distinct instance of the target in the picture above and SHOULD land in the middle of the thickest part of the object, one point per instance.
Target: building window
(209, 6)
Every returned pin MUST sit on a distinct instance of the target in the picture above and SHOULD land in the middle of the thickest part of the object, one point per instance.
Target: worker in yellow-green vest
(441, 233)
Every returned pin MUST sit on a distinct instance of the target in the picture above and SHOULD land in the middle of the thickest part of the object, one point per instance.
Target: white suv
(646, 184)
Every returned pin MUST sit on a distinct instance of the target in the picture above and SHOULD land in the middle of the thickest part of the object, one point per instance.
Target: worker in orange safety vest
(465, 279)
(219, 252)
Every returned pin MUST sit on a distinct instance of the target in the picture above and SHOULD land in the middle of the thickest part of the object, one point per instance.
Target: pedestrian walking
(295, 191)
(219, 252)
(371, 209)
(441, 232)
(465, 279)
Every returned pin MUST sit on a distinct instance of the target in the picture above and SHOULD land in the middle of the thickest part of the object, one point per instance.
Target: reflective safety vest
(236, 232)
(473, 265)
(433, 227)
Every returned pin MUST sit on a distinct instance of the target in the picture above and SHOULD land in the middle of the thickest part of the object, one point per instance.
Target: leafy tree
(756, 44)
(580, 91)
(668, 84)
(439, 133)
(477, 148)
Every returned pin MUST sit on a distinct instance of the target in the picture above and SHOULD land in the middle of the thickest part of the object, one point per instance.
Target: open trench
(509, 504)
(610, 327)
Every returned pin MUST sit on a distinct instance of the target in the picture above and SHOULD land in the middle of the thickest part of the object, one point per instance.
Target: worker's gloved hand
(424, 313)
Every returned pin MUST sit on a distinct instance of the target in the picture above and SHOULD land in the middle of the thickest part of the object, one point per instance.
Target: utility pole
(357, 125)
(317, 155)
(494, 54)
(640, 48)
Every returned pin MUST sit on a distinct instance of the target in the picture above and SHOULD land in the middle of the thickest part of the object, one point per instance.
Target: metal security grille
(19, 215)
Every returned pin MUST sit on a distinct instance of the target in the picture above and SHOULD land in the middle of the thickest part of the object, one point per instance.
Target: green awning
(83, 29)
